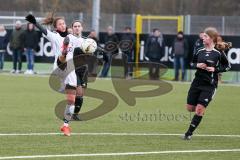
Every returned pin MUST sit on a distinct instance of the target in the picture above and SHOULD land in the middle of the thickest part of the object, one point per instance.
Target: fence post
(96, 15)
(14, 20)
(133, 25)
(223, 25)
(149, 26)
(81, 16)
(114, 22)
(187, 25)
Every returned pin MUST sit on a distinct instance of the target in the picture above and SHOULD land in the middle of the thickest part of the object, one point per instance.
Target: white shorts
(70, 76)
(71, 79)
(67, 76)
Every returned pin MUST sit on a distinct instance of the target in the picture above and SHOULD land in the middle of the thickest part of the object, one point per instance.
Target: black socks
(78, 104)
(194, 124)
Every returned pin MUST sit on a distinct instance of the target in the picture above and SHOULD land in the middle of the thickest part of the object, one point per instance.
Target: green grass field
(27, 106)
(46, 68)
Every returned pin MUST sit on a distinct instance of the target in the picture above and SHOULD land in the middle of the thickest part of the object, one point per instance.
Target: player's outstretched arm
(30, 18)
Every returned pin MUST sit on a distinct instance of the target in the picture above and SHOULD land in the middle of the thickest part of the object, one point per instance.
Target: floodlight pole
(96, 15)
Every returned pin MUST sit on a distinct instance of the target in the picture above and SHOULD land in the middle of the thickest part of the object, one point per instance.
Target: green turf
(229, 77)
(27, 106)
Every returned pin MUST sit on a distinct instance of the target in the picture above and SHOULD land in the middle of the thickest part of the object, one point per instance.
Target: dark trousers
(128, 65)
(154, 69)
(1, 59)
(106, 65)
(179, 62)
(17, 58)
(30, 58)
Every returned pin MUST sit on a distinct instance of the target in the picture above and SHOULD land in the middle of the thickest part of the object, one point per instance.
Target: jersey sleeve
(51, 36)
(224, 64)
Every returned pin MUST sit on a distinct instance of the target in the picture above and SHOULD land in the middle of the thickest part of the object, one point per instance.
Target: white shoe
(17, 71)
(31, 72)
(13, 71)
(26, 72)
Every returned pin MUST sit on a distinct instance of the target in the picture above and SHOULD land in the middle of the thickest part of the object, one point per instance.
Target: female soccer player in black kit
(208, 61)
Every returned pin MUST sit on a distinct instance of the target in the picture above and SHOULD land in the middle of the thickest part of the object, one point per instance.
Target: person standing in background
(16, 45)
(3, 45)
(111, 46)
(180, 52)
(199, 43)
(69, 30)
(154, 51)
(127, 47)
(30, 40)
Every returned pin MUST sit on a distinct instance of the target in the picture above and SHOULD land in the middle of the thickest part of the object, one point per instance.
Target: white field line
(119, 154)
(115, 134)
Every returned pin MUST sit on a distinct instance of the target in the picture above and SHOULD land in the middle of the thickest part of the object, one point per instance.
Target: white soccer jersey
(74, 42)
(56, 42)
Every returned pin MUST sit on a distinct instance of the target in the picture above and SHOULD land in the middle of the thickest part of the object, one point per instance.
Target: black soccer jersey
(212, 58)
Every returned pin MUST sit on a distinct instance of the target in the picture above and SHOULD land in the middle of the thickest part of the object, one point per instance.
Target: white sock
(69, 110)
(65, 124)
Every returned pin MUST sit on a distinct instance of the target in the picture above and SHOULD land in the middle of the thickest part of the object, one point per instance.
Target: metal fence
(227, 25)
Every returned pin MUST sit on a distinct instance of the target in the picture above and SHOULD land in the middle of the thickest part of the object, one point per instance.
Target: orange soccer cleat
(66, 130)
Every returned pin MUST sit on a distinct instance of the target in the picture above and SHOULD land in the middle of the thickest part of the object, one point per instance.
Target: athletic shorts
(71, 79)
(198, 94)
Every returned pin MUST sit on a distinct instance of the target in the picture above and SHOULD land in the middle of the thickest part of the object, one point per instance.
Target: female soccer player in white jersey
(56, 38)
(76, 79)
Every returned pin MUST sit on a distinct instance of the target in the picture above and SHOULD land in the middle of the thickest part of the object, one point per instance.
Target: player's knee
(80, 91)
(190, 108)
(70, 96)
(200, 109)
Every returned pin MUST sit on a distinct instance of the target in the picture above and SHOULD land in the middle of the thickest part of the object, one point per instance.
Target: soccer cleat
(66, 130)
(65, 46)
(187, 136)
(76, 117)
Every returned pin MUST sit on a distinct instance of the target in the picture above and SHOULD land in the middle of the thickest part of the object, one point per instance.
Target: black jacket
(111, 43)
(16, 39)
(155, 47)
(127, 43)
(30, 39)
(198, 45)
(3, 42)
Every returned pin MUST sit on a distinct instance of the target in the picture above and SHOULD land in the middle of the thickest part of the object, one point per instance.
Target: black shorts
(200, 94)
(82, 76)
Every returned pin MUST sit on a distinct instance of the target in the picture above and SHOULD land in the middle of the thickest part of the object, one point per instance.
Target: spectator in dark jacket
(127, 47)
(154, 51)
(16, 45)
(199, 43)
(111, 46)
(30, 40)
(92, 68)
(3, 45)
(180, 52)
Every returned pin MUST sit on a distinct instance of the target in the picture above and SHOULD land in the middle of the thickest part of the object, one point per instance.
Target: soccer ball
(89, 46)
